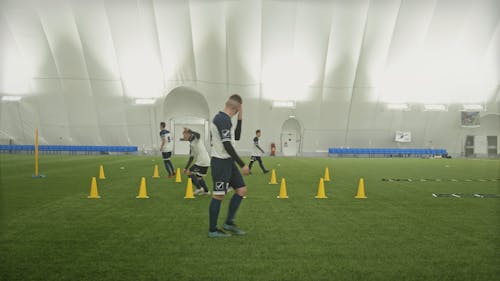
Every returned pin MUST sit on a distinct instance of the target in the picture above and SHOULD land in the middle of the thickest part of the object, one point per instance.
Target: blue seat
(89, 149)
(367, 151)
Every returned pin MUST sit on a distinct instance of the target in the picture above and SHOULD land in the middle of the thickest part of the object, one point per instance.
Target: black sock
(195, 181)
(262, 166)
(165, 161)
(169, 163)
(233, 207)
(203, 184)
(213, 212)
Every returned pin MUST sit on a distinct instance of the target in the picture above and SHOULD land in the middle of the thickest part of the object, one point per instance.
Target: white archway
(186, 107)
(291, 137)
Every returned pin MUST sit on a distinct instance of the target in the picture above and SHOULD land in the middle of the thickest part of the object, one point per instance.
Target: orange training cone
(361, 189)
(321, 190)
(273, 177)
(93, 190)
(155, 172)
(143, 194)
(327, 175)
(101, 173)
(189, 190)
(283, 194)
(178, 175)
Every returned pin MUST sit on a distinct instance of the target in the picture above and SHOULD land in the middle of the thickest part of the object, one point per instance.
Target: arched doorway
(291, 136)
(186, 107)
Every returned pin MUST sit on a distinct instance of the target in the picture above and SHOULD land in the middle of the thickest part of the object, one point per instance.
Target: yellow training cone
(327, 175)
(273, 177)
(283, 194)
(142, 189)
(178, 175)
(155, 172)
(93, 190)
(361, 189)
(101, 173)
(189, 190)
(321, 190)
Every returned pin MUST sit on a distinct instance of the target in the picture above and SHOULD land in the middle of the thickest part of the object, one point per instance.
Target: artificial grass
(51, 231)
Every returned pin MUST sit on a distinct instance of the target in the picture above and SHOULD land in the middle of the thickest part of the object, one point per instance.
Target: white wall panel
(175, 39)
(28, 32)
(136, 49)
(243, 28)
(58, 23)
(80, 65)
(95, 36)
(208, 27)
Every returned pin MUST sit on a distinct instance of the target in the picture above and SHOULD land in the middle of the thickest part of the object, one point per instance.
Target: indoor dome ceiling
(411, 51)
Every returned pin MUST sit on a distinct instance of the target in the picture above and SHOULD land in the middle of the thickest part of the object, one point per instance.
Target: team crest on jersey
(226, 133)
(220, 186)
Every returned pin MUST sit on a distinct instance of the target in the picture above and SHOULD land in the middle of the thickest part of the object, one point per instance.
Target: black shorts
(199, 170)
(225, 174)
(255, 158)
(166, 155)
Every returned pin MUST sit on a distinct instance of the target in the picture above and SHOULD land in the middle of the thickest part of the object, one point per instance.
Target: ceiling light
(473, 107)
(11, 98)
(284, 104)
(398, 106)
(434, 107)
(144, 101)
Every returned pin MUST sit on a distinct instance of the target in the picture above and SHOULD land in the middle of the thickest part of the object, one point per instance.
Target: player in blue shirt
(225, 174)
(166, 149)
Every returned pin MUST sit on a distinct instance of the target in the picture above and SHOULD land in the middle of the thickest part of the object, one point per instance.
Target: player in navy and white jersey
(225, 174)
(199, 154)
(166, 149)
(257, 152)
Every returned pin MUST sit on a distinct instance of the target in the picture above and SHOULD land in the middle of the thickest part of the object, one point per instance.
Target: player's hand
(240, 112)
(245, 170)
(184, 171)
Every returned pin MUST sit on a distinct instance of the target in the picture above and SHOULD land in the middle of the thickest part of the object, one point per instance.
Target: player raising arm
(225, 174)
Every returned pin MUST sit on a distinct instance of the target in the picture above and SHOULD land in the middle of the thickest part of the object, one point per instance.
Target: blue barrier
(387, 152)
(70, 148)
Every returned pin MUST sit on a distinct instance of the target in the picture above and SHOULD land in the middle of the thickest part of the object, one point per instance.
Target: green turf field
(51, 231)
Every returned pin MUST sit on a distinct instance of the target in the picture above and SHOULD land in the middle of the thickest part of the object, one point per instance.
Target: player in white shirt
(199, 153)
(166, 149)
(257, 153)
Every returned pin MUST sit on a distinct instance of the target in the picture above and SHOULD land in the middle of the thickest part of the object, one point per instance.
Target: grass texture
(51, 231)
